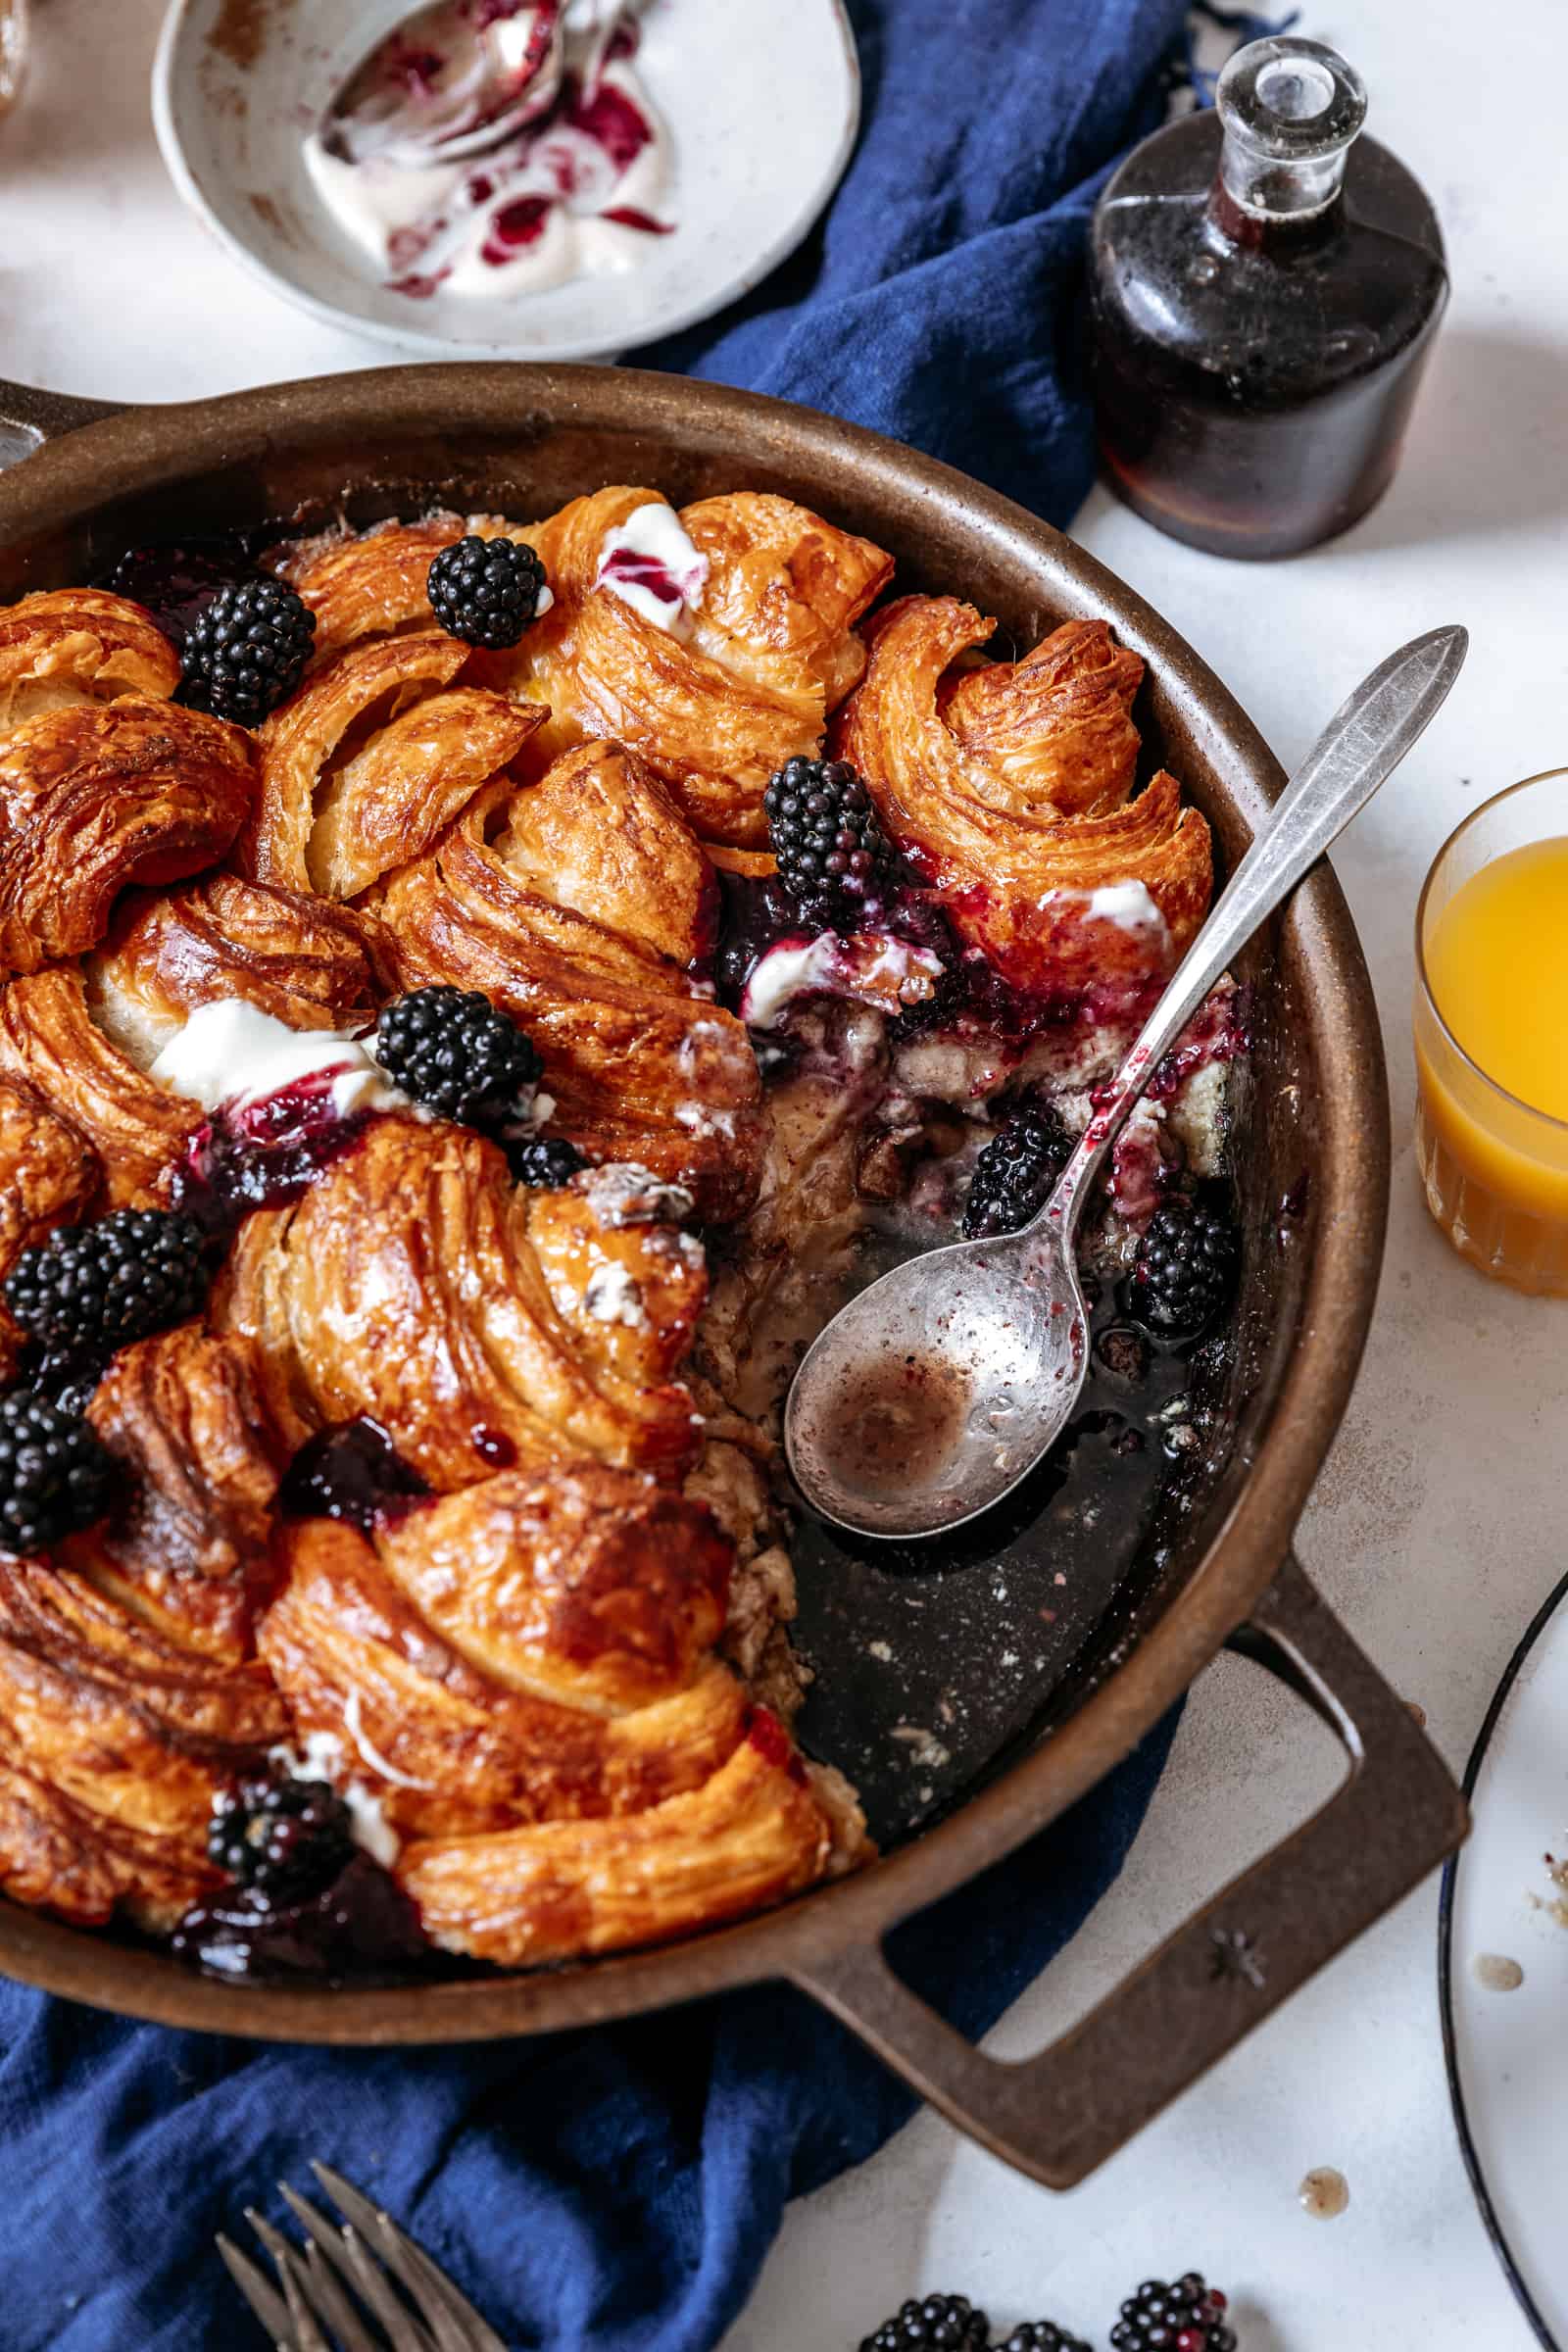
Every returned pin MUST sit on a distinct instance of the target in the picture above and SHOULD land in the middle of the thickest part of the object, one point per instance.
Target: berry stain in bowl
(496, 152)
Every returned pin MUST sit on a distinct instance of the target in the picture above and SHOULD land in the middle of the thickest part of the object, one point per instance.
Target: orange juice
(1491, 1041)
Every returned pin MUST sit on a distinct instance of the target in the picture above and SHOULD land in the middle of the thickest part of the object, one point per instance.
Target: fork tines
(343, 2272)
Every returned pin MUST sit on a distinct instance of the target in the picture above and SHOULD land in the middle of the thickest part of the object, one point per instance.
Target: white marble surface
(1437, 1527)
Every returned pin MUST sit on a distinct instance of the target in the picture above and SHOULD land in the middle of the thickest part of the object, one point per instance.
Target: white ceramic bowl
(761, 102)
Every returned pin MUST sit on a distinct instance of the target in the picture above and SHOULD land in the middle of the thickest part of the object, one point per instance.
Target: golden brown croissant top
(135, 1130)
(365, 765)
(639, 1066)
(407, 1286)
(129, 1692)
(101, 795)
(717, 714)
(520, 1674)
(1010, 784)
(76, 645)
(373, 585)
(305, 962)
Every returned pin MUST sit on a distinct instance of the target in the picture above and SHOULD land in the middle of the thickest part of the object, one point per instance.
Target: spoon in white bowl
(449, 82)
(935, 1390)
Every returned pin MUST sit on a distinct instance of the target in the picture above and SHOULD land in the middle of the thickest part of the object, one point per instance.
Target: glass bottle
(1265, 285)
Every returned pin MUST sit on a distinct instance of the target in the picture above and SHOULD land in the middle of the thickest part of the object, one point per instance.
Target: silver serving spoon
(450, 82)
(934, 1392)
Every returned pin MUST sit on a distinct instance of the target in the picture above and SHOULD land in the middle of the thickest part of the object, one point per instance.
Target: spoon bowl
(935, 1390)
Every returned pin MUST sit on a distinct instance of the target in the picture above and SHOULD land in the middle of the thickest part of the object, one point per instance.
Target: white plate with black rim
(761, 105)
(1504, 1973)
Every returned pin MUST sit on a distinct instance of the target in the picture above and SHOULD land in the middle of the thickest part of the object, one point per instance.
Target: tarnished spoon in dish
(449, 82)
(935, 1390)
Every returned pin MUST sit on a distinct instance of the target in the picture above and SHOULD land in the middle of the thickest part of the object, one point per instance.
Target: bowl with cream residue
(683, 189)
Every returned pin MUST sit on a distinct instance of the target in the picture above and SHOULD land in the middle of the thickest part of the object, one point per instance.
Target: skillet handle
(1058, 2115)
(29, 417)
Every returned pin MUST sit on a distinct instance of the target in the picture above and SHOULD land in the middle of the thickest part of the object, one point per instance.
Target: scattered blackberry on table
(486, 591)
(247, 651)
(1184, 1269)
(1188, 2317)
(55, 1473)
(1015, 1172)
(284, 1840)
(545, 1160)
(452, 1051)
(936, 2324)
(1043, 2335)
(823, 830)
(90, 1289)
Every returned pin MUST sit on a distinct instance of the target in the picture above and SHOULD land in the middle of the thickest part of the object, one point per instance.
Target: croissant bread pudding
(475, 996)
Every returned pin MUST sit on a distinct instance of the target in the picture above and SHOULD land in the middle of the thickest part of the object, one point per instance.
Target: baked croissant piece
(478, 1323)
(767, 653)
(1010, 784)
(98, 796)
(129, 1687)
(714, 715)
(579, 932)
(70, 646)
(372, 756)
(305, 962)
(133, 1133)
(48, 1174)
(522, 1675)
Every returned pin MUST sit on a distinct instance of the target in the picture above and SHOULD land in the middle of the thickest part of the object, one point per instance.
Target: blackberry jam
(1265, 285)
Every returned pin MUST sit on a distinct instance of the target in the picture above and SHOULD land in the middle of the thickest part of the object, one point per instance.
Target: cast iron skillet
(1214, 1566)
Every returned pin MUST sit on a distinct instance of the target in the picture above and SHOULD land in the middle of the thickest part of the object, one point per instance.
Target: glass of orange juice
(1491, 1036)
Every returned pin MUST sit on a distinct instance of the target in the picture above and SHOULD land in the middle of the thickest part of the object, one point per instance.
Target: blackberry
(545, 1160)
(937, 2323)
(247, 651)
(831, 850)
(451, 1050)
(284, 1840)
(1043, 2335)
(1185, 1268)
(55, 1473)
(1188, 2317)
(90, 1289)
(1015, 1174)
(486, 591)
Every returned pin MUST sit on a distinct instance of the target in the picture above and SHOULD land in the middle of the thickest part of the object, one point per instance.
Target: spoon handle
(1362, 743)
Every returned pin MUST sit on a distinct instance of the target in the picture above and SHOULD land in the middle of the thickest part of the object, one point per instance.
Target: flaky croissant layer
(542, 1659)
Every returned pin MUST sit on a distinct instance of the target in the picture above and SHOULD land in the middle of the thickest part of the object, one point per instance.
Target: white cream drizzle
(234, 1052)
(650, 563)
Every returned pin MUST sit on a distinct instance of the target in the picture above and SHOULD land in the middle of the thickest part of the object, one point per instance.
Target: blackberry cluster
(247, 651)
(823, 831)
(545, 1161)
(451, 1050)
(90, 1289)
(1188, 2317)
(1043, 2335)
(1185, 1268)
(1015, 1174)
(55, 1474)
(281, 1840)
(937, 2323)
(485, 591)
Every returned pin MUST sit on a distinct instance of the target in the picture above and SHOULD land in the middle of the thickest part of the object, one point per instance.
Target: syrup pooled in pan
(932, 1659)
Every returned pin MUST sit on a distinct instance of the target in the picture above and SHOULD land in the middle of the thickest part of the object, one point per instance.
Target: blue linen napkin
(617, 2191)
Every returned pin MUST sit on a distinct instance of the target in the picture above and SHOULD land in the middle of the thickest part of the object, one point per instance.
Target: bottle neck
(1289, 111)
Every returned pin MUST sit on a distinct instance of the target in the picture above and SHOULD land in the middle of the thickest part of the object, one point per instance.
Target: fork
(321, 2279)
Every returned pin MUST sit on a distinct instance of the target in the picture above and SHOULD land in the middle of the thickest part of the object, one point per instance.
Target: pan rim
(87, 468)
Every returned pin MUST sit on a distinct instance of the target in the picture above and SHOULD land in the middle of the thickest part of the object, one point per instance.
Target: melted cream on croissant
(1011, 784)
(135, 1130)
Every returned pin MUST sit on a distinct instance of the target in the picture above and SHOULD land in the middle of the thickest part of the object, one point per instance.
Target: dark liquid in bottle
(1253, 378)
